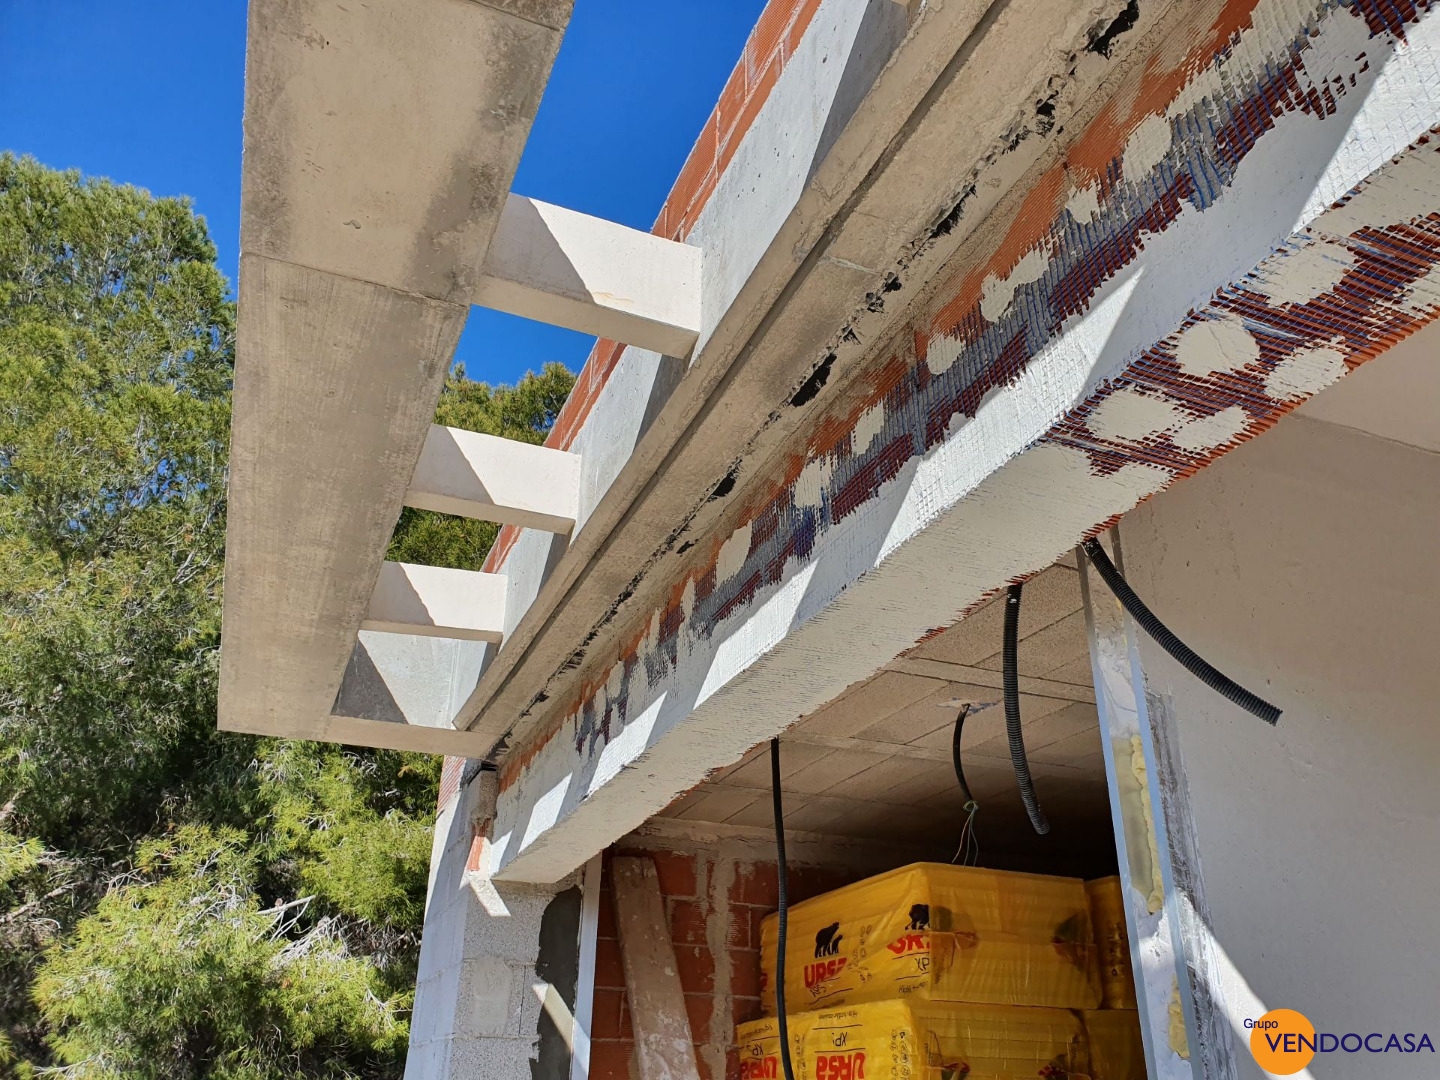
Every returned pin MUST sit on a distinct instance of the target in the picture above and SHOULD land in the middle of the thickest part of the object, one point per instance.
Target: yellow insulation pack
(1107, 914)
(919, 1040)
(935, 932)
(1116, 1051)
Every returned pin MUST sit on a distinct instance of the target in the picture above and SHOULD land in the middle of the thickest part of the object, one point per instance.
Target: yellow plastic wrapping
(919, 1040)
(1116, 1051)
(935, 932)
(1107, 913)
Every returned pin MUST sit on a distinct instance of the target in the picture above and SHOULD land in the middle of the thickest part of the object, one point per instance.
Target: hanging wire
(968, 853)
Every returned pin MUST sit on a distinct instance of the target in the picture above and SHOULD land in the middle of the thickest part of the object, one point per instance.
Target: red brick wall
(714, 902)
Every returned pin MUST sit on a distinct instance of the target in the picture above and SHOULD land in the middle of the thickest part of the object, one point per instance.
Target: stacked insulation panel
(945, 972)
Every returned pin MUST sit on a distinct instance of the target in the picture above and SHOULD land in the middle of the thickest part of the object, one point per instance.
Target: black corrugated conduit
(1011, 666)
(1220, 683)
(782, 874)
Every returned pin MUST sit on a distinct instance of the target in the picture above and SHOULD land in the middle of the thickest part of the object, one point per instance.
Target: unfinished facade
(945, 288)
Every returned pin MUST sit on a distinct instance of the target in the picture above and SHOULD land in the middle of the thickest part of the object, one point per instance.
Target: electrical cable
(1010, 657)
(782, 873)
(1163, 637)
(968, 853)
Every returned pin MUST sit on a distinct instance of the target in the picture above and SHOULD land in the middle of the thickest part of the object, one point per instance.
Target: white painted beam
(435, 601)
(584, 273)
(494, 479)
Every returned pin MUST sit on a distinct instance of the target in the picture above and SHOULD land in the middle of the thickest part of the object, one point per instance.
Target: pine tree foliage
(175, 901)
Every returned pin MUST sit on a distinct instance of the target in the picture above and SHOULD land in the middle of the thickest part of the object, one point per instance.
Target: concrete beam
(1167, 285)
(835, 177)
(573, 270)
(494, 479)
(434, 601)
(380, 143)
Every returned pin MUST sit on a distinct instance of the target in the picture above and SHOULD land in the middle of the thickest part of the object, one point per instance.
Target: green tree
(175, 901)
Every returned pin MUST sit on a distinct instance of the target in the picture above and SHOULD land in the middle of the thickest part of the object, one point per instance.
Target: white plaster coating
(1307, 372)
(732, 554)
(819, 86)
(1147, 146)
(1222, 344)
(1084, 203)
(1130, 416)
(1208, 432)
(1405, 191)
(1423, 296)
(1399, 99)
(942, 352)
(870, 423)
(810, 484)
(1305, 273)
(627, 745)
(997, 293)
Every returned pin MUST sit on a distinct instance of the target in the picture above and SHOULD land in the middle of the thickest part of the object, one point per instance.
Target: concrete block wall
(476, 1011)
(715, 899)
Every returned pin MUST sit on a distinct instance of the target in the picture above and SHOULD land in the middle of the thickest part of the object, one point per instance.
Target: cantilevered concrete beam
(1163, 285)
(381, 139)
(493, 479)
(433, 601)
(592, 275)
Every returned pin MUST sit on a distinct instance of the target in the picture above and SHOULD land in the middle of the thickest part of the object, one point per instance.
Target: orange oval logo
(1282, 1041)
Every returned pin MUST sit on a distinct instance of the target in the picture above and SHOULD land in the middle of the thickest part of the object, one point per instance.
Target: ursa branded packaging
(933, 932)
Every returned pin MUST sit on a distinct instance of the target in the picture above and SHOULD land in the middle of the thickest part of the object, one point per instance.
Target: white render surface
(570, 269)
(488, 478)
(1303, 565)
(435, 601)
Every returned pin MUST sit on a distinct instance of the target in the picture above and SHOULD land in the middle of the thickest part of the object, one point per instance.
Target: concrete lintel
(435, 601)
(584, 273)
(786, 299)
(1029, 415)
(494, 479)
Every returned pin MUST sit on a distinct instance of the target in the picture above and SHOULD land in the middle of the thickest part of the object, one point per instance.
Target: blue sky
(150, 92)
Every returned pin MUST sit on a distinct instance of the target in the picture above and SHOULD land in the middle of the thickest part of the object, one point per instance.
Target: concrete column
(479, 999)
(1184, 1029)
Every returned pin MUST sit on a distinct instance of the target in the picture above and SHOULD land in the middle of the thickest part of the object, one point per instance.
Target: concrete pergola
(943, 289)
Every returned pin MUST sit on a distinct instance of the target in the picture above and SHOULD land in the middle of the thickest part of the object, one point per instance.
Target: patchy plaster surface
(1047, 393)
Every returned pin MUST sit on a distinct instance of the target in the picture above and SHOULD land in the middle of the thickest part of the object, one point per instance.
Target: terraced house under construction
(951, 296)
